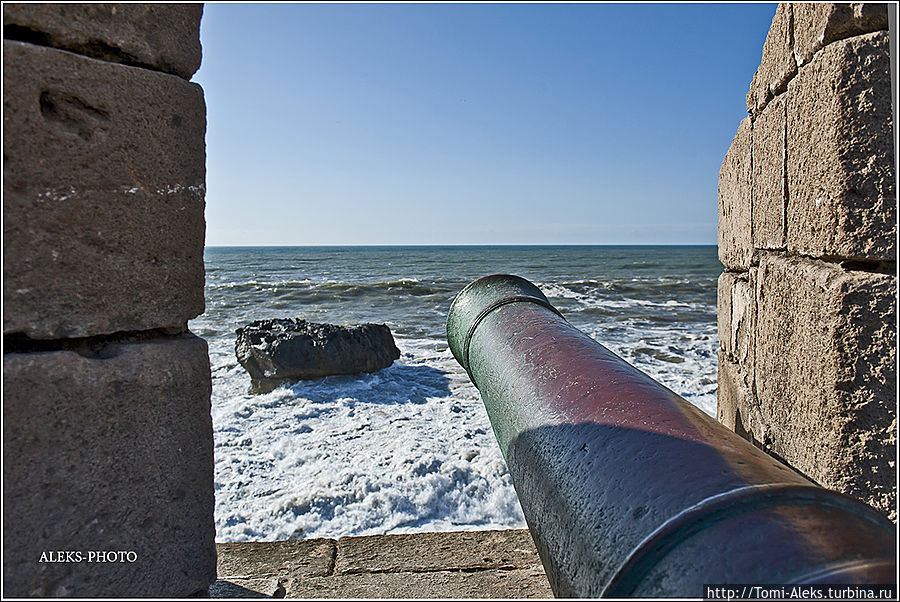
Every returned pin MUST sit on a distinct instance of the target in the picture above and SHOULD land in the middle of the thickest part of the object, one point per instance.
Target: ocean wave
(410, 286)
(599, 299)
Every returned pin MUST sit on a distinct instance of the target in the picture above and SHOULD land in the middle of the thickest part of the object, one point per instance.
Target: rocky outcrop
(275, 351)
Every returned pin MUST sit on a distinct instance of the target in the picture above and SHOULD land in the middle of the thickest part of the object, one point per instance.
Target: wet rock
(288, 350)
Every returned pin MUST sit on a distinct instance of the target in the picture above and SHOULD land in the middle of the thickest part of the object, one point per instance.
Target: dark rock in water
(275, 351)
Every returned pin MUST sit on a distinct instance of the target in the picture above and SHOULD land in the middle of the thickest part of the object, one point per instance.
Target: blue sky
(472, 123)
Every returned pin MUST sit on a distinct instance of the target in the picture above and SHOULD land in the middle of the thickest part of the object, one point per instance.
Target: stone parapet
(108, 448)
(820, 157)
(808, 240)
(103, 192)
(107, 431)
(159, 37)
(798, 31)
(807, 370)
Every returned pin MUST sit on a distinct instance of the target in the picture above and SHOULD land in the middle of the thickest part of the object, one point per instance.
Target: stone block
(163, 37)
(108, 448)
(770, 175)
(777, 66)
(729, 395)
(424, 552)
(817, 25)
(735, 245)
(103, 195)
(841, 186)
(826, 373)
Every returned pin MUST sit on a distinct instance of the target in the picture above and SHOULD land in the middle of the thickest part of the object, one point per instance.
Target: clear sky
(472, 123)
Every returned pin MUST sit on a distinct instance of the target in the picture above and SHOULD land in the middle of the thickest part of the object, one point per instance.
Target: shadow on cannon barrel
(629, 490)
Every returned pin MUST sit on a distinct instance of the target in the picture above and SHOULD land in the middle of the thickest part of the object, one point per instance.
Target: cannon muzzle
(627, 488)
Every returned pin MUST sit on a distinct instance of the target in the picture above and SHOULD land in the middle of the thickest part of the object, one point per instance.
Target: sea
(410, 448)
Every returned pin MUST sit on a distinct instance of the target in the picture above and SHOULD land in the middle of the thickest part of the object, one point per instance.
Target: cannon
(628, 489)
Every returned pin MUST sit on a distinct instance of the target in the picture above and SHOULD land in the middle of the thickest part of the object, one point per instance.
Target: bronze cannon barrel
(628, 489)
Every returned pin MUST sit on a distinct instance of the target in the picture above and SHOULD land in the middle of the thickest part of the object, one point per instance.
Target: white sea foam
(408, 448)
(600, 298)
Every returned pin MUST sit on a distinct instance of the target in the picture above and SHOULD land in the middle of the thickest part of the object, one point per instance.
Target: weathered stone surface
(423, 552)
(826, 373)
(275, 559)
(279, 350)
(104, 172)
(735, 246)
(109, 449)
(727, 394)
(736, 316)
(515, 583)
(165, 37)
(736, 407)
(840, 153)
(743, 314)
(723, 313)
(777, 66)
(770, 175)
(816, 25)
(246, 588)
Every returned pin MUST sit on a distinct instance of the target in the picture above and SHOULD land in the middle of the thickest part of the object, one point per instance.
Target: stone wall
(107, 436)
(807, 236)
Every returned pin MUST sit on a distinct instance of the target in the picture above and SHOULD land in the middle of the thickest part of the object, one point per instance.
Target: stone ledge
(457, 564)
